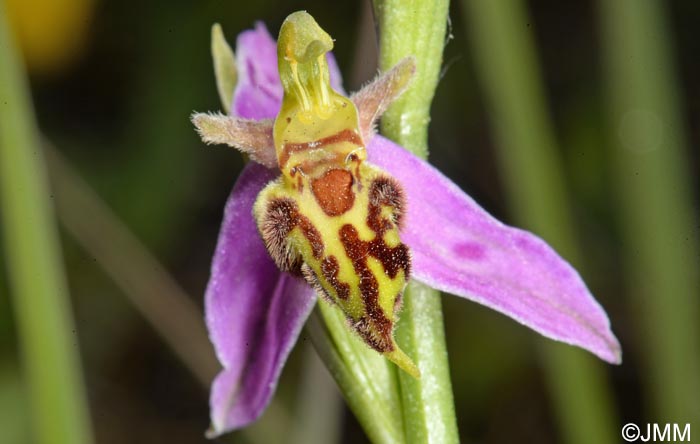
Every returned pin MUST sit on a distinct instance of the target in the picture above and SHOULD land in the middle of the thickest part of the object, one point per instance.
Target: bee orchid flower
(327, 207)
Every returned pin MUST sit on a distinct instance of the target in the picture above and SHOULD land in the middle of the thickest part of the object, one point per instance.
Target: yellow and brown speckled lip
(341, 233)
(330, 217)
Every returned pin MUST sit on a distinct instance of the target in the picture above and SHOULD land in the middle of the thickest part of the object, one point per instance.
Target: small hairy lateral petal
(372, 100)
(253, 137)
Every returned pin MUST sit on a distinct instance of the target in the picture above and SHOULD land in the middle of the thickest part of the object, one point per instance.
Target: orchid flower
(327, 207)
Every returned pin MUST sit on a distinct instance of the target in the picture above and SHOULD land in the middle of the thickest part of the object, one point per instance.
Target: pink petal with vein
(461, 249)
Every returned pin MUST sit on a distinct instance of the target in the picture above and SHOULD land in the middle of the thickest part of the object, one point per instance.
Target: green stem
(428, 406)
(506, 60)
(418, 28)
(39, 290)
(365, 378)
(655, 202)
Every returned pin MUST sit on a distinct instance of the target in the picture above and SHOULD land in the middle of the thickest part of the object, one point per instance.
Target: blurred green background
(591, 107)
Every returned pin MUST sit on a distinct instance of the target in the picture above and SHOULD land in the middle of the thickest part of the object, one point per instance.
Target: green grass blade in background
(39, 291)
(319, 407)
(507, 67)
(418, 28)
(659, 229)
(14, 411)
(145, 282)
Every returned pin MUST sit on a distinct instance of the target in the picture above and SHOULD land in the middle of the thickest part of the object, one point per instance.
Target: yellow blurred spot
(50, 33)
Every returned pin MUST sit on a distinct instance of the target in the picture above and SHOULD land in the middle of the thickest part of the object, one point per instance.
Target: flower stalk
(418, 28)
(365, 378)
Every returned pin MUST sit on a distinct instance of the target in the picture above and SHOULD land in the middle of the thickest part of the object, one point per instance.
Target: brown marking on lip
(386, 190)
(392, 259)
(376, 327)
(330, 269)
(377, 341)
(281, 217)
(346, 135)
(333, 192)
(312, 235)
(308, 166)
(311, 278)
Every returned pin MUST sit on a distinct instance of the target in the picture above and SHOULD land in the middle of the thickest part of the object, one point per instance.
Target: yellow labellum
(331, 217)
